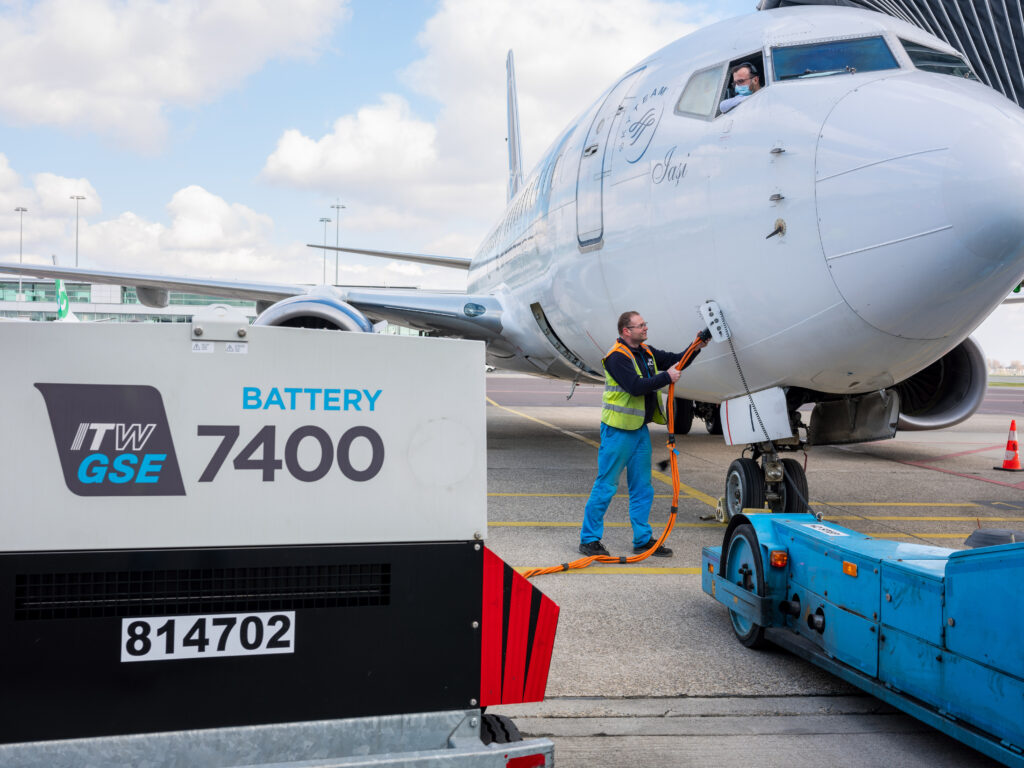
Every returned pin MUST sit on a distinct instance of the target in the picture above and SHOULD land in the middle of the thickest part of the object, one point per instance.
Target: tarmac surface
(646, 670)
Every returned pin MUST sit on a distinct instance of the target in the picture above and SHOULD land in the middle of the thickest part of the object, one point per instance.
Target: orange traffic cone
(1012, 461)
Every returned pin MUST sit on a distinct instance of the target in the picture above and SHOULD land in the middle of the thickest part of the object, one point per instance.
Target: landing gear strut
(778, 484)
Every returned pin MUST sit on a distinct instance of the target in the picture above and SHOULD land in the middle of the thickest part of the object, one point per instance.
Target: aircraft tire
(682, 417)
(714, 422)
(794, 488)
(744, 486)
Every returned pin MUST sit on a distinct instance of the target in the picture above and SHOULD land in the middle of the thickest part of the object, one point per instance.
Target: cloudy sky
(208, 137)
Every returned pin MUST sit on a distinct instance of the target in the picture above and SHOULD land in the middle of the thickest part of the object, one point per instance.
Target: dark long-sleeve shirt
(620, 366)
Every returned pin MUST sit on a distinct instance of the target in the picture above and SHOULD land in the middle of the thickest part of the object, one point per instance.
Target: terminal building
(37, 300)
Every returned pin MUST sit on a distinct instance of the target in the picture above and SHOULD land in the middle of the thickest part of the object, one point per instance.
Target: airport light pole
(326, 221)
(337, 224)
(21, 260)
(77, 199)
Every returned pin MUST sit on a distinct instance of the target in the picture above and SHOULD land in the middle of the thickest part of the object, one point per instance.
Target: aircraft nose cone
(919, 190)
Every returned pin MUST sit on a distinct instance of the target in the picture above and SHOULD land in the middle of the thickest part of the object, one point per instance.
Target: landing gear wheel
(744, 486)
(795, 494)
(744, 568)
(682, 416)
(498, 729)
(714, 422)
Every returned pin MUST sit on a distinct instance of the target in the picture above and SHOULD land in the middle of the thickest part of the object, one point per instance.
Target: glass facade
(129, 310)
(128, 296)
(37, 291)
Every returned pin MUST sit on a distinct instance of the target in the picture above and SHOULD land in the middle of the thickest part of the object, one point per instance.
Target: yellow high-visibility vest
(620, 409)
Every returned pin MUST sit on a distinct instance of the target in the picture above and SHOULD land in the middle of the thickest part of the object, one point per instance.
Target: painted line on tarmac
(879, 518)
(900, 535)
(933, 519)
(684, 489)
(573, 495)
(565, 432)
(521, 524)
(619, 570)
(898, 503)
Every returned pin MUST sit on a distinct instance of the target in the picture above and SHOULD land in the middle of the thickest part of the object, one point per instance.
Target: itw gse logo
(113, 439)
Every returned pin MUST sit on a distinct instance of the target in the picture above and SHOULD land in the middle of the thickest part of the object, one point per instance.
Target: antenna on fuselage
(515, 147)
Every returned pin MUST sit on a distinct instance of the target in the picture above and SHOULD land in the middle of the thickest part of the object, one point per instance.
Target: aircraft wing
(454, 262)
(228, 289)
(444, 313)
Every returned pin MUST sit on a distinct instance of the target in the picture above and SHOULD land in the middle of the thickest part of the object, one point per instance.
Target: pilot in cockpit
(745, 83)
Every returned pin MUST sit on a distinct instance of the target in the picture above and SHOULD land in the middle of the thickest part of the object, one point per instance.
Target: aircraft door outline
(593, 167)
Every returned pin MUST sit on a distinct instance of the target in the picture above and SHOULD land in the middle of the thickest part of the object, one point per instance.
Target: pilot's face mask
(742, 90)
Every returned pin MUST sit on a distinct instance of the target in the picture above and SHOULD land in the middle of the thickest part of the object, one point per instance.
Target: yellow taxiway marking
(892, 504)
(933, 519)
(684, 490)
(898, 503)
(547, 424)
(900, 535)
(711, 501)
(522, 524)
(573, 495)
(618, 570)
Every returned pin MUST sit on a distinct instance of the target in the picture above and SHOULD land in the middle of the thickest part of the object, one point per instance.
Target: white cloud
(379, 139)
(114, 67)
(207, 236)
(455, 167)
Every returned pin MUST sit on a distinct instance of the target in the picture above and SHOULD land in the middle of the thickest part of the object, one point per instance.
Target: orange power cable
(583, 562)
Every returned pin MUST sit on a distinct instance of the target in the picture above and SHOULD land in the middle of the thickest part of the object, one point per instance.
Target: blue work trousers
(629, 448)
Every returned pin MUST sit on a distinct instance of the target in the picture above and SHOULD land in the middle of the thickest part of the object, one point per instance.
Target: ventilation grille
(171, 592)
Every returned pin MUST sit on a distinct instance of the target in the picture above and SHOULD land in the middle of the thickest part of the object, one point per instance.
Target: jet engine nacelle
(946, 392)
(155, 298)
(317, 309)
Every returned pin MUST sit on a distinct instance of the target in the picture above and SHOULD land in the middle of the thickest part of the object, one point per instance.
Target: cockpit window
(930, 60)
(700, 96)
(838, 57)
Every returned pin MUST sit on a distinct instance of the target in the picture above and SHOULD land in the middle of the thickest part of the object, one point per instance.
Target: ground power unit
(215, 525)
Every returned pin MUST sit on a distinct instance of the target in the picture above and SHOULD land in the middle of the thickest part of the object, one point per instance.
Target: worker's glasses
(741, 80)
(637, 327)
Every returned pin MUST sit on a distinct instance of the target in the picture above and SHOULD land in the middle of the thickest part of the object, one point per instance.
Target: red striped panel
(516, 638)
(492, 630)
(540, 655)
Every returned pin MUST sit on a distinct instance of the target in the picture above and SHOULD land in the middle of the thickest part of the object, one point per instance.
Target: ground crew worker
(634, 372)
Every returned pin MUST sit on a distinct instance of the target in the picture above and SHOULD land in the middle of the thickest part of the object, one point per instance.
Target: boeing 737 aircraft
(852, 222)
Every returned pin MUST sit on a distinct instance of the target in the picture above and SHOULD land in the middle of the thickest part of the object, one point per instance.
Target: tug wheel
(744, 568)
(498, 729)
(744, 486)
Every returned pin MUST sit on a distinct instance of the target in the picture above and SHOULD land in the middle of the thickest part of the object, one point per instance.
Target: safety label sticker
(824, 529)
(164, 638)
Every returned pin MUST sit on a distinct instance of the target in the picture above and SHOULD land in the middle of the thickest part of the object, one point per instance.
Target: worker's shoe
(661, 551)
(591, 548)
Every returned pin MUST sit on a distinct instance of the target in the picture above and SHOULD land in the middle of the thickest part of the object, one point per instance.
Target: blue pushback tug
(935, 632)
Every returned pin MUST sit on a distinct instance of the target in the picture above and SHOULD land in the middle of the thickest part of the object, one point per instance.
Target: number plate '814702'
(166, 638)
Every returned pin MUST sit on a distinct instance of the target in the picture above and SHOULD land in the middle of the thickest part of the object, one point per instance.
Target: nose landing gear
(778, 484)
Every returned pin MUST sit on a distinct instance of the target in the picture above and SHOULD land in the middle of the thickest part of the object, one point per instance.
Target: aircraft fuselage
(897, 189)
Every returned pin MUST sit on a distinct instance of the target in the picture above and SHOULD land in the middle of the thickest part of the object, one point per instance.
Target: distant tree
(993, 364)
(1016, 365)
